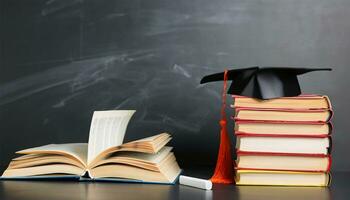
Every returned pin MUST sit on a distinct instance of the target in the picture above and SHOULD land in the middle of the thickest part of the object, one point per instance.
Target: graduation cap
(256, 82)
(263, 83)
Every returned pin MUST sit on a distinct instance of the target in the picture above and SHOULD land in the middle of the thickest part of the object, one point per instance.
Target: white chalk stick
(195, 182)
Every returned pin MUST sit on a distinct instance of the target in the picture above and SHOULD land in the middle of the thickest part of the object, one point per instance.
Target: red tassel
(224, 165)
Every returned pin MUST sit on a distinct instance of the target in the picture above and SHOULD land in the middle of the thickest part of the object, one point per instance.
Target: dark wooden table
(51, 190)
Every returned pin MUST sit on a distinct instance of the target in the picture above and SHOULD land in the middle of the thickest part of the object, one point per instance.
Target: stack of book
(283, 141)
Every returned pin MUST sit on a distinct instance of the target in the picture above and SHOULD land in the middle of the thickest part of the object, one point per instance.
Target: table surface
(37, 190)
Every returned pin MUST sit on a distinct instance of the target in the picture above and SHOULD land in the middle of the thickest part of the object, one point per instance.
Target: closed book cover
(283, 161)
(282, 178)
(284, 144)
(283, 128)
(299, 102)
(282, 193)
(283, 115)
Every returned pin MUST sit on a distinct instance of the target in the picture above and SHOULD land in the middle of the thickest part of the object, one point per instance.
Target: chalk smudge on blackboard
(181, 70)
(63, 101)
(72, 73)
(54, 6)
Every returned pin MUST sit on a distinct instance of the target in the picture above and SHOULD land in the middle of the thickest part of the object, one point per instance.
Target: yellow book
(282, 178)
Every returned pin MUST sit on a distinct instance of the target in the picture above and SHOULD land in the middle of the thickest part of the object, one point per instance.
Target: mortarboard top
(264, 82)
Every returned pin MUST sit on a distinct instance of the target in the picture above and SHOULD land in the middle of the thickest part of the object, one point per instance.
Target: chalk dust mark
(64, 101)
(180, 70)
(53, 6)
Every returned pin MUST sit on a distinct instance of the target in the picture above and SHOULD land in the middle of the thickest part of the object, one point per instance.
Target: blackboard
(62, 59)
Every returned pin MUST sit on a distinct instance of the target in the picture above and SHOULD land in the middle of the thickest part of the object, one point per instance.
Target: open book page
(76, 150)
(166, 171)
(150, 139)
(146, 157)
(150, 145)
(45, 159)
(44, 170)
(107, 130)
(136, 158)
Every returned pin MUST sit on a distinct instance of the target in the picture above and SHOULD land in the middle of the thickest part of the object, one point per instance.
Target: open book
(104, 157)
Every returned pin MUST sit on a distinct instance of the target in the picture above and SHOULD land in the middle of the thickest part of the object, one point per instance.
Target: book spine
(330, 145)
(328, 101)
(329, 163)
(329, 179)
(331, 114)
